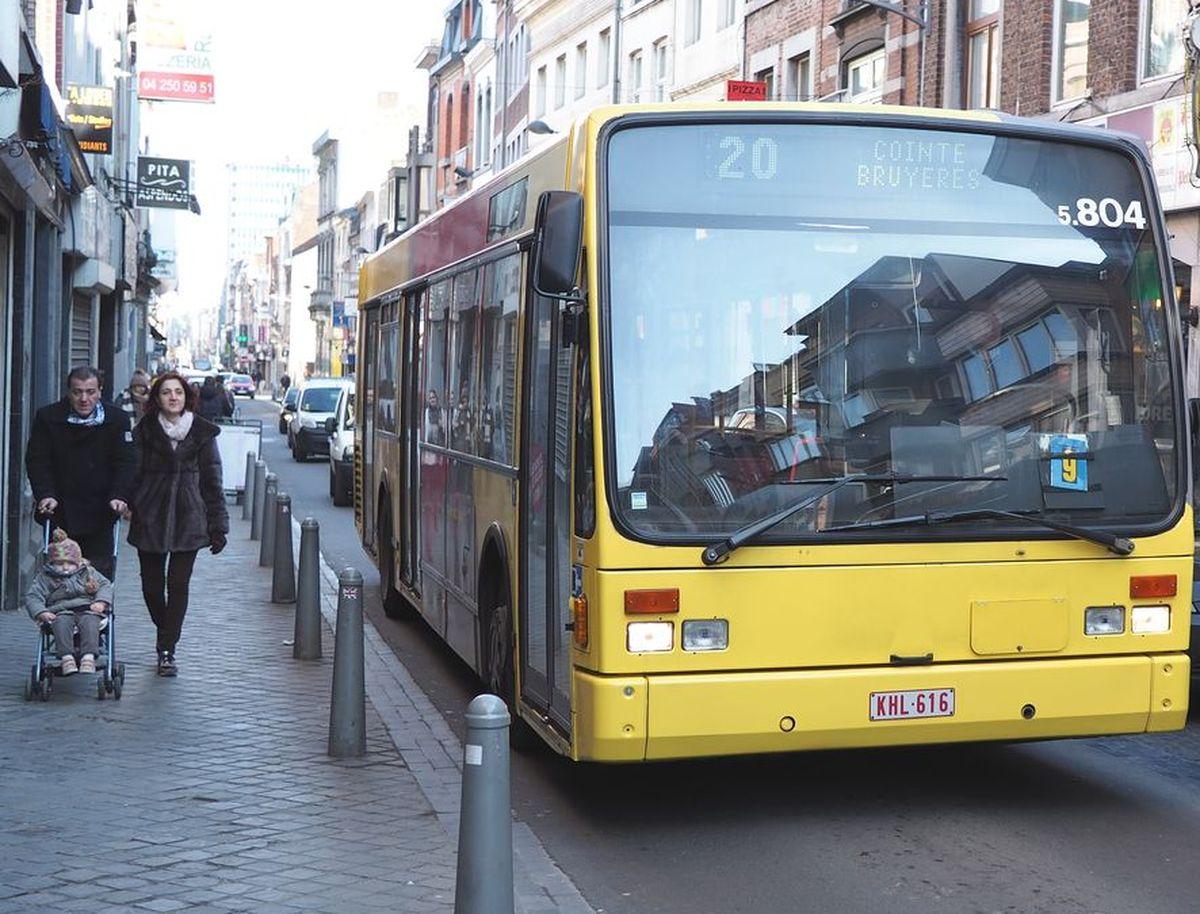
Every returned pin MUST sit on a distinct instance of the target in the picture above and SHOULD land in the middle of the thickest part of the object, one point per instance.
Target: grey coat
(51, 592)
(178, 501)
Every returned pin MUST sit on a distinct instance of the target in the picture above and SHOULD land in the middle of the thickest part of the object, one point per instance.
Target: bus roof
(504, 207)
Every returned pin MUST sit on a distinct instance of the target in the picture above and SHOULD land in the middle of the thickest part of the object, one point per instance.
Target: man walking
(81, 465)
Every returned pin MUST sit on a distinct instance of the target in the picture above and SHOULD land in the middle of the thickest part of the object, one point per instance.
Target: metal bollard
(484, 881)
(348, 704)
(306, 641)
(266, 547)
(260, 486)
(283, 580)
(248, 487)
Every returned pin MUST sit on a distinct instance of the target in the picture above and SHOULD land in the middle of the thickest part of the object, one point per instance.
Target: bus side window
(497, 377)
(463, 358)
(433, 415)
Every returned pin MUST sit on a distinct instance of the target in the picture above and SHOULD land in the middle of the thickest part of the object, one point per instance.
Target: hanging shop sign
(175, 51)
(90, 116)
(164, 183)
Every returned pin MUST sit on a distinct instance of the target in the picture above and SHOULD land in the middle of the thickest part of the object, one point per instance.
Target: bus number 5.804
(764, 158)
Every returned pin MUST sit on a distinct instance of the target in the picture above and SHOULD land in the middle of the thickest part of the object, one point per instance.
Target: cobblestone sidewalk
(210, 792)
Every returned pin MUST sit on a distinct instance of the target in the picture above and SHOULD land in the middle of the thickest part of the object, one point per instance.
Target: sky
(285, 72)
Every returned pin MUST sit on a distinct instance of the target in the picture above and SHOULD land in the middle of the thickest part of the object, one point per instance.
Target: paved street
(1107, 826)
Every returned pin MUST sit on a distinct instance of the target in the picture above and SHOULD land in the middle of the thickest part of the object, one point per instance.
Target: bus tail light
(579, 621)
(1153, 585)
(1104, 620)
(1150, 620)
(650, 637)
(652, 602)
(706, 634)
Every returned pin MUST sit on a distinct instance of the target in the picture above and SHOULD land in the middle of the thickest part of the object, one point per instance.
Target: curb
(434, 755)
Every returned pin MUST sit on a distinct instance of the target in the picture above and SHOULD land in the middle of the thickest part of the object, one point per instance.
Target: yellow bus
(718, 429)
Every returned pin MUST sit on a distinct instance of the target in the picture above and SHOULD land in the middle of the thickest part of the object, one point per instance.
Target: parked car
(240, 385)
(317, 404)
(341, 450)
(287, 409)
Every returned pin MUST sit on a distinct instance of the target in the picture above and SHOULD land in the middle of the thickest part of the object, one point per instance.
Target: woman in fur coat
(178, 505)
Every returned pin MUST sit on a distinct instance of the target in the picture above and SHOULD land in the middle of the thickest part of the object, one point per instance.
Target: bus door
(546, 515)
(366, 421)
(410, 414)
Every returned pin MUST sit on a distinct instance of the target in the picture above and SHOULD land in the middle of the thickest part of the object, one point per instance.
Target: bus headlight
(650, 637)
(1104, 620)
(706, 634)
(1150, 620)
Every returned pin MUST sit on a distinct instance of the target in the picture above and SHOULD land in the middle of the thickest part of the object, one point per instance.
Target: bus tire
(498, 667)
(394, 605)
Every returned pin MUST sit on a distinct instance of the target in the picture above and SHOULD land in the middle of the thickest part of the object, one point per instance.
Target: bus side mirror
(559, 228)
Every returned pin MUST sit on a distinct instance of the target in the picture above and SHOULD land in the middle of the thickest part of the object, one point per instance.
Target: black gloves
(218, 542)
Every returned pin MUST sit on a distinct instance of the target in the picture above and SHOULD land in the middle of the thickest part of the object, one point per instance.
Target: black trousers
(97, 548)
(166, 578)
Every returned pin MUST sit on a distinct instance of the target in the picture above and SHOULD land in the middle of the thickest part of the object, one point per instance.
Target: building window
(799, 79)
(580, 70)
(691, 28)
(464, 124)
(660, 70)
(602, 62)
(560, 80)
(539, 108)
(726, 10)
(983, 54)
(864, 77)
(1070, 48)
(635, 76)
(518, 67)
(767, 78)
(1162, 45)
(449, 140)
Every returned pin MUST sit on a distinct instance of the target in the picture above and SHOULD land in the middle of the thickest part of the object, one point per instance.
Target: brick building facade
(1118, 64)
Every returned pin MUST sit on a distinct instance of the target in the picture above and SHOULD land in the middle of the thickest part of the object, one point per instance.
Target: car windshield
(320, 399)
(243, 379)
(793, 302)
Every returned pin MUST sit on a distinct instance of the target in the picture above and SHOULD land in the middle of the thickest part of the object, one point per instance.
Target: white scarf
(177, 430)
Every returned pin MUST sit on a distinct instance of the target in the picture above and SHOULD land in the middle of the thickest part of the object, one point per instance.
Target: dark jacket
(211, 405)
(179, 504)
(84, 467)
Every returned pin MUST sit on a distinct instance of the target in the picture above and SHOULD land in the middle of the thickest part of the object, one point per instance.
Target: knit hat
(63, 548)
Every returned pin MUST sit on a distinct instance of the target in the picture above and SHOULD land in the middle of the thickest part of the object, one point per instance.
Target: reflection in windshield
(320, 399)
(810, 319)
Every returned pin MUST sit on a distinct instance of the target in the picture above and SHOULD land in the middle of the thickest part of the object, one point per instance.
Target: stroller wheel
(47, 686)
(117, 686)
(32, 683)
(101, 691)
(119, 673)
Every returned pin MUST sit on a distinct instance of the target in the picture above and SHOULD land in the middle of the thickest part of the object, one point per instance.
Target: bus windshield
(791, 303)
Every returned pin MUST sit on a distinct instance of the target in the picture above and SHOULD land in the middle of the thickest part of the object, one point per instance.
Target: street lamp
(540, 127)
(921, 19)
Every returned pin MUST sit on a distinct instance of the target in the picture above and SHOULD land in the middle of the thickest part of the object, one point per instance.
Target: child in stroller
(68, 596)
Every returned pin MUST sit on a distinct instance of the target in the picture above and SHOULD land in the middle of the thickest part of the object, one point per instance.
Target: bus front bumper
(635, 718)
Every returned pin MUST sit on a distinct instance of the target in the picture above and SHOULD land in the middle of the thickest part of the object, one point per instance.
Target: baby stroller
(110, 674)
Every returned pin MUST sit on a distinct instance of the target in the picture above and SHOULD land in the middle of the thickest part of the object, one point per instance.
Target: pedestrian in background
(211, 403)
(228, 406)
(178, 506)
(135, 396)
(80, 463)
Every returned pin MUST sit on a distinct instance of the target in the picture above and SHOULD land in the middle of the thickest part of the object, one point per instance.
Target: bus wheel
(393, 603)
(499, 674)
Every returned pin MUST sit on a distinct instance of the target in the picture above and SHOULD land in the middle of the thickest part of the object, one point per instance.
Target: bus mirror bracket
(558, 245)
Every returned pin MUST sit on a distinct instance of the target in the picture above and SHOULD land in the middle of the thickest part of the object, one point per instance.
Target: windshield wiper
(717, 552)
(1118, 545)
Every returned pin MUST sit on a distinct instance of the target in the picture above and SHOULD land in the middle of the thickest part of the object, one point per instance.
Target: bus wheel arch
(497, 654)
(394, 605)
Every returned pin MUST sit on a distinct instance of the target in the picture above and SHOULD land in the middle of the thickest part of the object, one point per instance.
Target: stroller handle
(47, 523)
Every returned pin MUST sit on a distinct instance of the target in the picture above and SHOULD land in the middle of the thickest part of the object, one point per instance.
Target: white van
(316, 405)
(341, 451)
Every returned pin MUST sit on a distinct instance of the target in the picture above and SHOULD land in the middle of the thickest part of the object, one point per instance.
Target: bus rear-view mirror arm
(558, 245)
